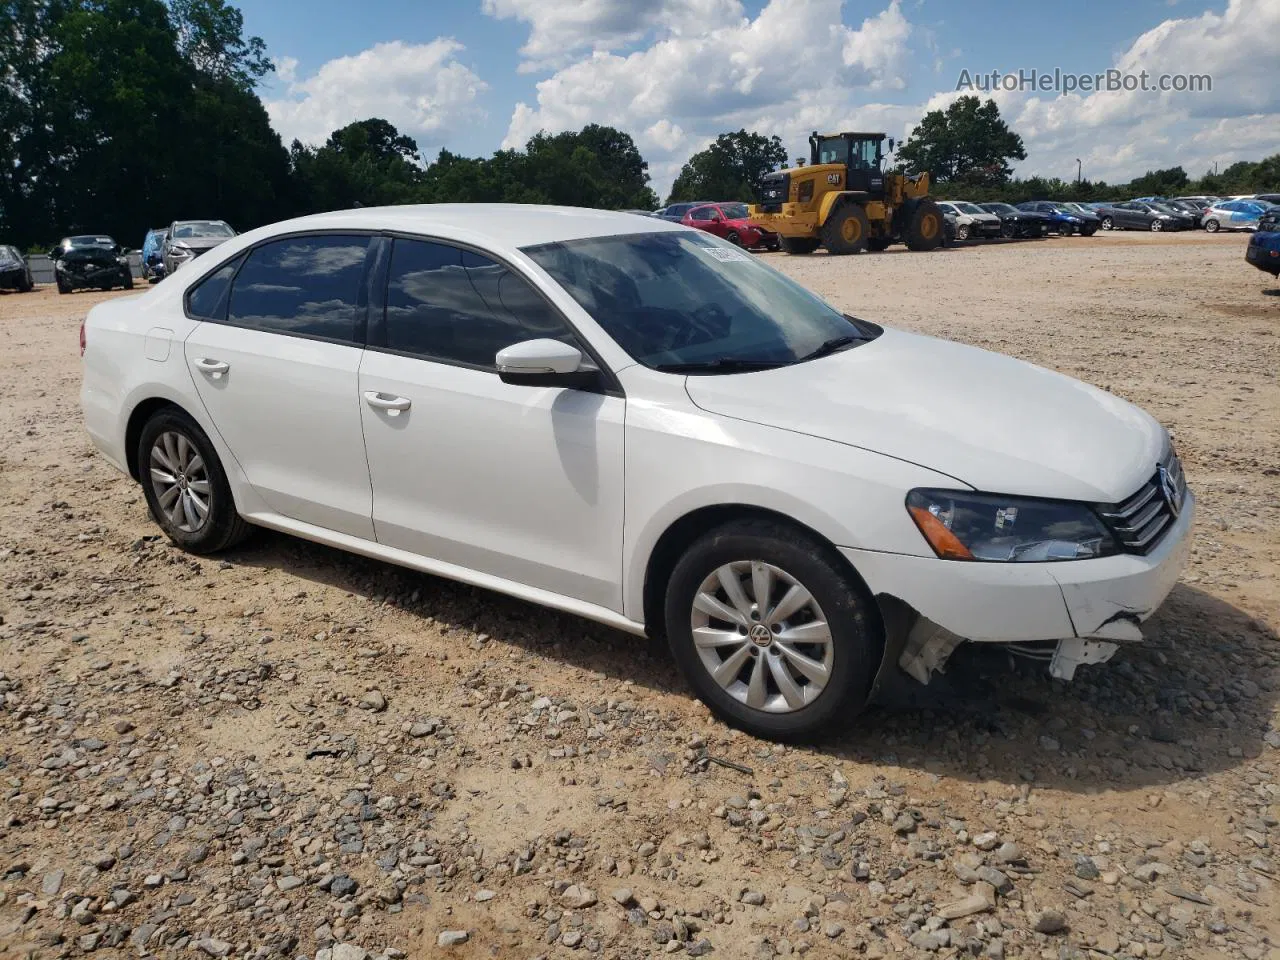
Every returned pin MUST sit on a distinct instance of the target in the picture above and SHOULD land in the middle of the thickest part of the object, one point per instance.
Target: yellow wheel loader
(845, 201)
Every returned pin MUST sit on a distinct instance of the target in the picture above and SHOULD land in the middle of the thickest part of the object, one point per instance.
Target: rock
(52, 882)
(904, 824)
(699, 949)
(343, 886)
(1048, 921)
(986, 841)
(926, 940)
(752, 898)
(349, 951)
(577, 897)
(373, 700)
(81, 913)
(996, 878)
(1086, 869)
(832, 930)
(214, 948)
(623, 896)
(484, 896)
(1009, 853)
(1108, 942)
(422, 729)
(956, 909)
(452, 938)
(285, 884)
(571, 938)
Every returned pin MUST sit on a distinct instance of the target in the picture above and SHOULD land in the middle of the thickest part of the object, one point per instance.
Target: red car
(730, 221)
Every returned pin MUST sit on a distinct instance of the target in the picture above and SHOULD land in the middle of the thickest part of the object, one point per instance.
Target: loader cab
(861, 154)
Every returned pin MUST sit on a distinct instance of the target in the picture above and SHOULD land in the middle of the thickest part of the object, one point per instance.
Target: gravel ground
(291, 751)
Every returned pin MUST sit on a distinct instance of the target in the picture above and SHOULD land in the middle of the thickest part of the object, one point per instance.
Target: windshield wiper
(722, 365)
(831, 346)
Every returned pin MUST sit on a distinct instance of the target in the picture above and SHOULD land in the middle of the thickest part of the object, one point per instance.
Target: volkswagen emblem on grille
(1169, 490)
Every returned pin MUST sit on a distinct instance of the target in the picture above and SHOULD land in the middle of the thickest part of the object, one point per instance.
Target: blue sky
(474, 75)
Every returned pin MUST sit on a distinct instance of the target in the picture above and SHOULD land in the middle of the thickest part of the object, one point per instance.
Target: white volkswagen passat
(639, 423)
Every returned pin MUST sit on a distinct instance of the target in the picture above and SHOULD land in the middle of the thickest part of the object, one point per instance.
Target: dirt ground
(291, 751)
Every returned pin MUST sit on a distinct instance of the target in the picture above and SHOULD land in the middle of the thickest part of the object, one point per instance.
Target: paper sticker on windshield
(727, 255)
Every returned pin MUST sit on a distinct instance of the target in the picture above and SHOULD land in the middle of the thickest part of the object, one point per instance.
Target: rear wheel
(769, 630)
(1156, 226)
(185, 486)
(798, 244)
(846, 230)
(1108, 223)
(1211, 225)
(924, 226)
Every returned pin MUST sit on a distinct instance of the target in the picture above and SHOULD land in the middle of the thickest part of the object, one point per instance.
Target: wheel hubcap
(762, 636)
(180, 480)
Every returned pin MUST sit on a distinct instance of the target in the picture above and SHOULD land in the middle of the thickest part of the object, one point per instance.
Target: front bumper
(1103, 599)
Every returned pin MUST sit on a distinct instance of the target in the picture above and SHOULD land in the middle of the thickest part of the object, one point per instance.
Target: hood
(199, 243)
(995, 423)
(742, 223)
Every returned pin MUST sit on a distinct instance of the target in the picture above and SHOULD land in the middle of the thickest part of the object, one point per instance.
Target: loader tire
(924, 226)
(798, 244)
(846, 230)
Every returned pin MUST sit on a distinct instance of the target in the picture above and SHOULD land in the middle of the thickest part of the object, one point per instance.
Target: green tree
(1160, 183)
(730, 169)
(211, 38)
(968, 142)
(368, 162)
(596, 166)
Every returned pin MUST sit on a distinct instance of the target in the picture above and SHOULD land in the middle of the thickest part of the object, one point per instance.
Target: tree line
(121, 115)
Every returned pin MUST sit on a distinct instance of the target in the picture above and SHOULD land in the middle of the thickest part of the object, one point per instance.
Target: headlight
(180, 251)
(979, 526)
(123, 261)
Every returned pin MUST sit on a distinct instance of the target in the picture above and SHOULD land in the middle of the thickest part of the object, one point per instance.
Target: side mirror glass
(544, 363)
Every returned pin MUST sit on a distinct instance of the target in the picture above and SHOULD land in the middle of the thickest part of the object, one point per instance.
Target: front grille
(774, 188)
(1140, 522)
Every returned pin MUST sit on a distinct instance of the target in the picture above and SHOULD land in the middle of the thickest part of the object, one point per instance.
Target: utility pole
(1078, 169)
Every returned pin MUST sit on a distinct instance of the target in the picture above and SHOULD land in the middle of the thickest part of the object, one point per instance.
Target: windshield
(100, 241)
(969, 208)
(1003, 208)
(734, 211)
(674, 299)
(203, 228)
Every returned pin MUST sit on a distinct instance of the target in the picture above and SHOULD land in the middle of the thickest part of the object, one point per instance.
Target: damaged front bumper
(1087, 607)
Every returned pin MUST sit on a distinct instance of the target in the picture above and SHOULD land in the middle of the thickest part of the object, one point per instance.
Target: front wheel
(846, 230)
(732, 237)
(962, 232)
(1156, 226)
(770, 630)
(185, 486)
(924, 226)
(126, 280)
(798, 245)
(1211, 225)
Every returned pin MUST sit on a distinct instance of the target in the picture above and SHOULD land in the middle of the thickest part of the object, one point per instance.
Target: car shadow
(1196, 698)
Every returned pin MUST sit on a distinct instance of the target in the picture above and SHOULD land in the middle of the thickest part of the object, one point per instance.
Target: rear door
(276, 364)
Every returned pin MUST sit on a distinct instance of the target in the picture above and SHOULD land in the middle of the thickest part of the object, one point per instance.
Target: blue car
(152, 256)
(1234, 215)
(1063, 219)
(1264, 246)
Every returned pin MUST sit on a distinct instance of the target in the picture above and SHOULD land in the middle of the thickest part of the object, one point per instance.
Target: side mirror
(544, 363)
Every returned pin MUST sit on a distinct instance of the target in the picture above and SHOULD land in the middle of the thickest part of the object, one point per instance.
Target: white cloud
(561, 28)
(795, 66)
(423, 89)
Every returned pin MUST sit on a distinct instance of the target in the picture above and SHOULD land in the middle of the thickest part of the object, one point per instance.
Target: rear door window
(303, 286)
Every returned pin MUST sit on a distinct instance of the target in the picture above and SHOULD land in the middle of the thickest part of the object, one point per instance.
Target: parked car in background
(1273, 198)
(90, 260)
(1264, 246)
(187, 239)
(14, 272)
(1234, 215)
(639, 213)
(153, 255)
(1062, 219)
(732, 222)
(1184, 207)
(1018, 223)
(1138, 215)
(972, 222)
(675, 212)
(534, 376)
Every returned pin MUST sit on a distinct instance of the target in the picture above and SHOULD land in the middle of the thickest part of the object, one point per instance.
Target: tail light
(82, 338)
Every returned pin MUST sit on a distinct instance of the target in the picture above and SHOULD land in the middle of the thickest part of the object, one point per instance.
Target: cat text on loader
(845, 201)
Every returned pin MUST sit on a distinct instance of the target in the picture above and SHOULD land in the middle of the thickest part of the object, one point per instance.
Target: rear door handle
(393, 405)
(215, 368)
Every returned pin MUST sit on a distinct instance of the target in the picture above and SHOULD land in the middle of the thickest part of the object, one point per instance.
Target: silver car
(1234, 215)
(971, 220)
(187, 239)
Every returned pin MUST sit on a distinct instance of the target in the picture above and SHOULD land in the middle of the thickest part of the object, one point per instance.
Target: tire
(62, 287)
(1008, 230)
(798, 245)
(732, 237)
(1156, 226)
(878, 244)
(126, 281)
(1088, 231)
(27, 285)
(962, 232)
(1108, 223)
(924, 226)
(846, 230)
(221, 526)
(848, 657)
(1211, 225)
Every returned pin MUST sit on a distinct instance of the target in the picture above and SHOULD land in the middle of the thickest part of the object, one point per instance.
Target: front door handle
(393, 405)
(214, 368)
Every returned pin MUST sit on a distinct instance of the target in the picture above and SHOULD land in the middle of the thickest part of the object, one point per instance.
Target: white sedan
(641, 424)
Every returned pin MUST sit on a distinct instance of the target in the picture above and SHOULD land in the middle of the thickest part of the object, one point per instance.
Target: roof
(505, 225)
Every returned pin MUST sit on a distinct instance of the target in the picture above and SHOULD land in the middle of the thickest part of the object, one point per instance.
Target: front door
(520, 483)
(276, 365)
